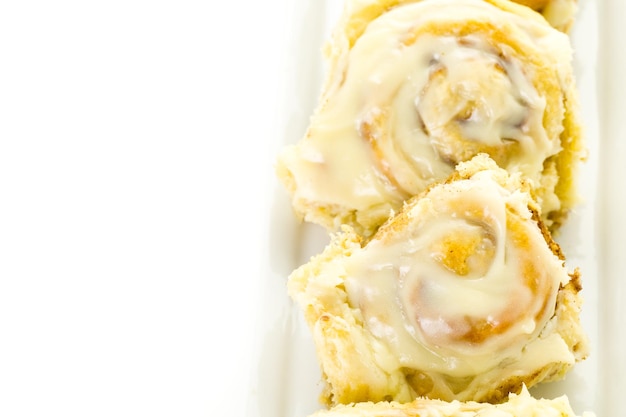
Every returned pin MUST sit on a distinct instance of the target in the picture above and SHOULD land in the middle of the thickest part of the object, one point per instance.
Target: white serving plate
(285, 381)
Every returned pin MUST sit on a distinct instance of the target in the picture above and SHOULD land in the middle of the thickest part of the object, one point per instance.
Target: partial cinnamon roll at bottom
(522, 405)
(463, 295)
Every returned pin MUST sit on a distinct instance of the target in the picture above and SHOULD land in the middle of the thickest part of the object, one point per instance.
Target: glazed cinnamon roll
(416, 87)
(522, 405)
(463, 295)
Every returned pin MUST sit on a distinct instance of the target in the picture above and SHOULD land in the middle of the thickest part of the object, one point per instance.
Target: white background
(133, 166)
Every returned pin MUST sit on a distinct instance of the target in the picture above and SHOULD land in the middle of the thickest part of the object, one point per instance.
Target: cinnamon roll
(517, 405)
(415, 87)
(463, 295)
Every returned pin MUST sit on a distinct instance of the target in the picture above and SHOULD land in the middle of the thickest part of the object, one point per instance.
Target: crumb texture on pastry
(463, 295)
(415, 87)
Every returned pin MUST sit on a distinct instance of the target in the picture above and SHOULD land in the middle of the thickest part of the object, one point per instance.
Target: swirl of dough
(468, 96)
(416, 87)
(468, 275)
(476, 285)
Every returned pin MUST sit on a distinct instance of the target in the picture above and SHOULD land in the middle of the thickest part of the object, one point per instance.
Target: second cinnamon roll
(462, 295)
